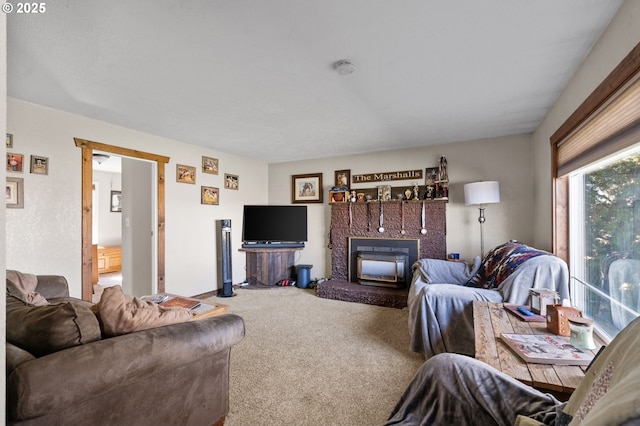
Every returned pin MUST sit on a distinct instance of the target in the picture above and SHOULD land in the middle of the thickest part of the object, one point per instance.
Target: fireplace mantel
(361, 219)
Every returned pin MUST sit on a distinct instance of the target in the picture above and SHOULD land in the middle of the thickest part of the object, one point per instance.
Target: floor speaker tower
(223, 228)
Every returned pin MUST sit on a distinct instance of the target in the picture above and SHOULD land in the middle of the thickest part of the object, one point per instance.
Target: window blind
(612, 127)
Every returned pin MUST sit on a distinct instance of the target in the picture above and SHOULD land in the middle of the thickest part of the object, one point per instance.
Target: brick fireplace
(361, 221)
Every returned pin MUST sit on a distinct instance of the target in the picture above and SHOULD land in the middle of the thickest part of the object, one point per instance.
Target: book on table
(524, 317)
(180, 302)
(546, 349)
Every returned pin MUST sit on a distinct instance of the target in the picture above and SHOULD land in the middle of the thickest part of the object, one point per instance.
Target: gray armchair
(441, 293)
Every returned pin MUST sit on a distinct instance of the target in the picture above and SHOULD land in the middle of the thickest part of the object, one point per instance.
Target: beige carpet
(312, 361)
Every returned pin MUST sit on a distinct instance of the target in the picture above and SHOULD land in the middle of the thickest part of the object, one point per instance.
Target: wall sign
(387, 176)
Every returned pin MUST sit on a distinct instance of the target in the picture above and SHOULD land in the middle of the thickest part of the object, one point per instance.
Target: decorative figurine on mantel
(416, 192)
(407, 194)
(430, 192)
(443, 174)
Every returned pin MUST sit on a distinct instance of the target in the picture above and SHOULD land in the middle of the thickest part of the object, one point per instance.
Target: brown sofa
(172, 375)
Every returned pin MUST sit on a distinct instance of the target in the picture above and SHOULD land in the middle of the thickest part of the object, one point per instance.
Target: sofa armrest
(16, 357)
(437, 271)
(52, 286)
(90, 370)
(549, 272)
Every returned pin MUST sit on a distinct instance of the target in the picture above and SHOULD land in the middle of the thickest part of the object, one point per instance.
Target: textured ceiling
(256, 78)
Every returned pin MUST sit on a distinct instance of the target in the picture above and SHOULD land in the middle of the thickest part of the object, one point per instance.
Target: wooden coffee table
(206, 309)
(490, 320)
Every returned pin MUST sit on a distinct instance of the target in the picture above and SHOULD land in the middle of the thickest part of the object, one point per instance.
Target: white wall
(507, 160)
(622, 34)
(45, 236)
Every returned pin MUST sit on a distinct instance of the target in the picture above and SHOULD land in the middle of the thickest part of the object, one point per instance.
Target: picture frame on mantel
(306, 188)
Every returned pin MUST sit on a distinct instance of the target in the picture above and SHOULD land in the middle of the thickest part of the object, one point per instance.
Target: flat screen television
(267, 225)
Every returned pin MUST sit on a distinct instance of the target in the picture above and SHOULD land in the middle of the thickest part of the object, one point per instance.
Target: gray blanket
(440, 306)
(452, 389)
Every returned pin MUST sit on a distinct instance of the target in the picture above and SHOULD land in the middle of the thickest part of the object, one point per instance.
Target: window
(604, 239)
(596, 198)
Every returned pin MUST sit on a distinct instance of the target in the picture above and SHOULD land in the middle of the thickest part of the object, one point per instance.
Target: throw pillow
(45, 329)
(500, 262)
(122, 314)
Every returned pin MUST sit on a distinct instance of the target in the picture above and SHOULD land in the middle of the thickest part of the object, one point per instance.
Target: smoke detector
(344, 67)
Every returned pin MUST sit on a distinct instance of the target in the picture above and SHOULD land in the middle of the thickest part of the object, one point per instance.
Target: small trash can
(304, 275)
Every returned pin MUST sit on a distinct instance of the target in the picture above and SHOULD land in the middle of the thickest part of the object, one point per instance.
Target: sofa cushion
(500, 262)
(42, 330)
(122, 314)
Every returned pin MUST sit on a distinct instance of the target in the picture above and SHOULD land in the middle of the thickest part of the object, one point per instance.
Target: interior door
(87, 173)
(138, 230)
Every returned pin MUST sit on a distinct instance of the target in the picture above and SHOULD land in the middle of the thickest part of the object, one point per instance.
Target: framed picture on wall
(231, 181)
(209, 195)
(185, 174)
(116, 201)
(14, 162)
(343, 178)
(209, 165)
(15, 193)
(9, 140)
(39, 165)
(430, 175)
(306, 188)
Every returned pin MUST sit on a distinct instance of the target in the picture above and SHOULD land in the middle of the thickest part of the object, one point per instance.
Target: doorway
(88, 257)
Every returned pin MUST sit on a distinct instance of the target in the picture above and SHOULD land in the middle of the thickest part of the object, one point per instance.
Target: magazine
(546, 349)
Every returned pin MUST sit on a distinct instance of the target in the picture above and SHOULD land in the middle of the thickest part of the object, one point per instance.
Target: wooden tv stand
(267, 266)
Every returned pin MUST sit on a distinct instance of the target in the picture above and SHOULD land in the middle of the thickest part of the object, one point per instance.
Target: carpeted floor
(312, 361)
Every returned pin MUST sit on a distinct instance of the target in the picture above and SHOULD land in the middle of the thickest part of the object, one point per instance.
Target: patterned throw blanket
(500, 262)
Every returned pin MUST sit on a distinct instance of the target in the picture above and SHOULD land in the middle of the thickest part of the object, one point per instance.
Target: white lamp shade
(481, 193)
